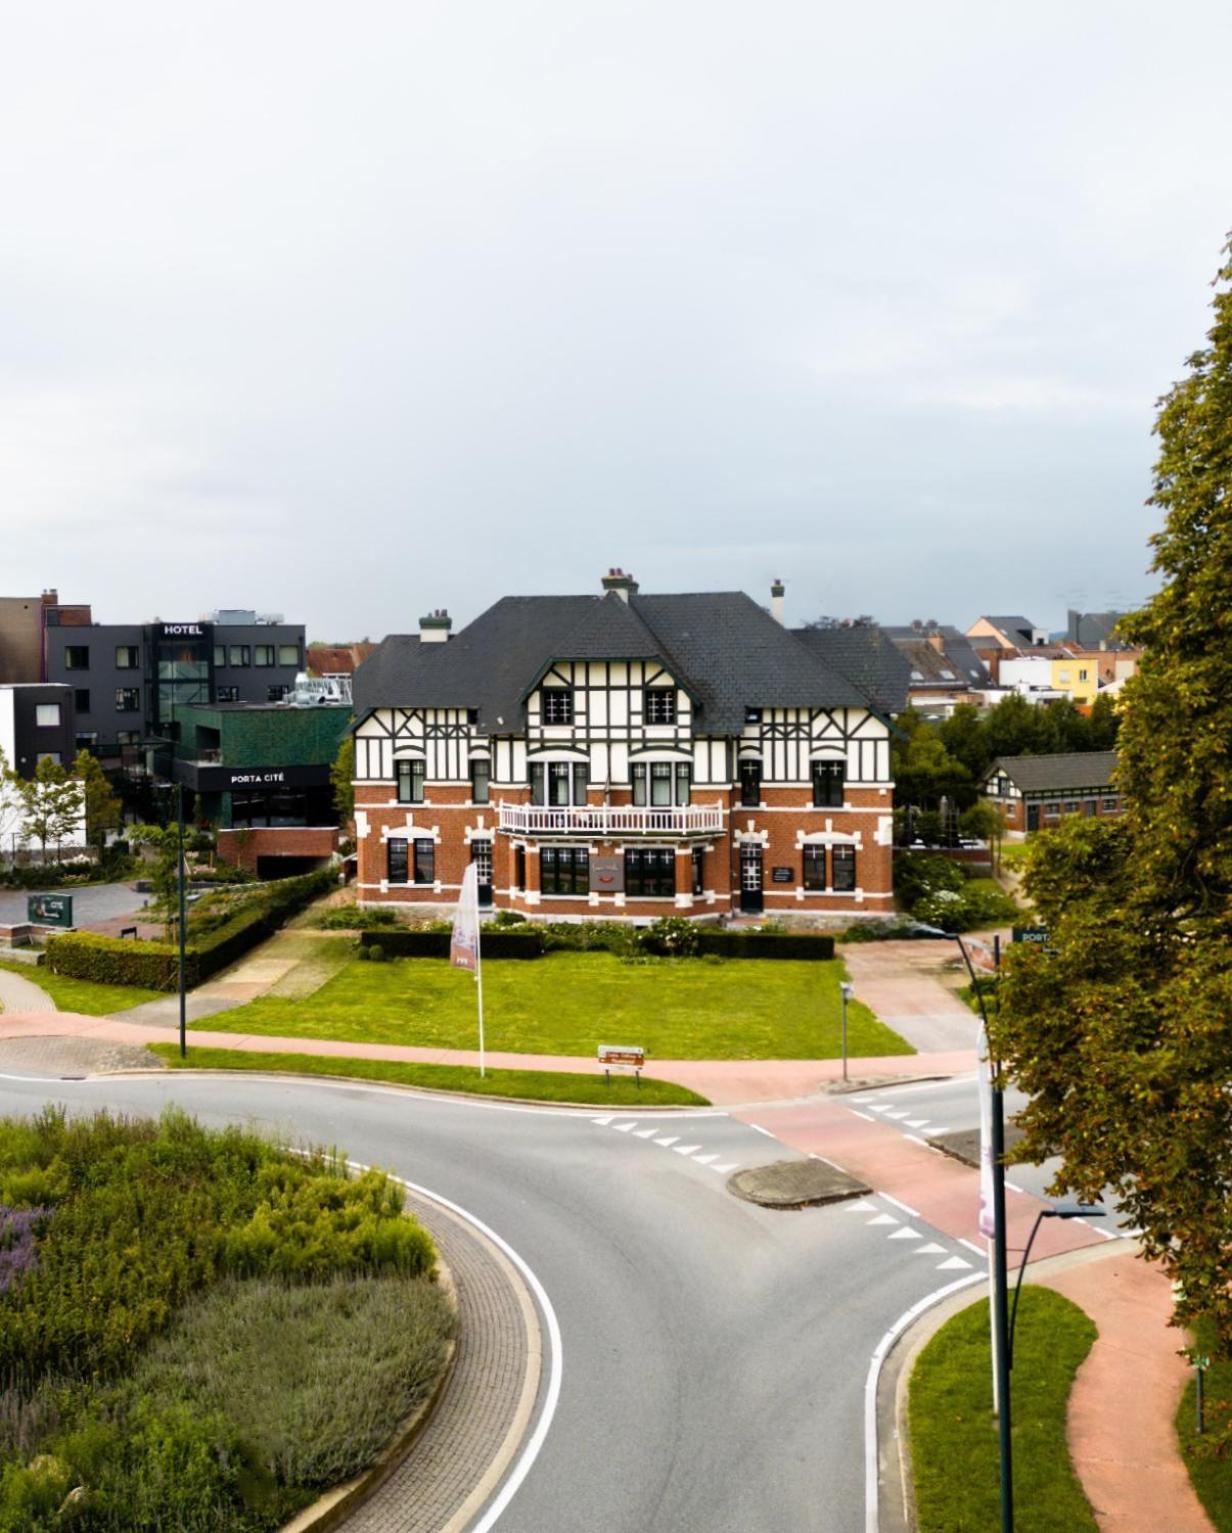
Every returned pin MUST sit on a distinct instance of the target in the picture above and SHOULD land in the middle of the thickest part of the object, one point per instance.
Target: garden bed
(198, 1330)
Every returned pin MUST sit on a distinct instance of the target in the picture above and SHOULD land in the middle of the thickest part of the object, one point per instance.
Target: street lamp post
(846, 990)
(1000, 1264)
(1060, 1211)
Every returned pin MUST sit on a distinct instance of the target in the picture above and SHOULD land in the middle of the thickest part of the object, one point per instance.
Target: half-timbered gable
(619, 755)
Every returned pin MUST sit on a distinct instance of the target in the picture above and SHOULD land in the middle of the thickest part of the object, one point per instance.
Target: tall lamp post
(1000, 1265)
(1059, 1211)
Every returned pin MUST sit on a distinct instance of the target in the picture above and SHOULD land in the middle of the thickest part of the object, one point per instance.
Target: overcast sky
(350, 312)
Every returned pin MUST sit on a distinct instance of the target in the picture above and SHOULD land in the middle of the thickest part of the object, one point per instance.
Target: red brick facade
(243, 848)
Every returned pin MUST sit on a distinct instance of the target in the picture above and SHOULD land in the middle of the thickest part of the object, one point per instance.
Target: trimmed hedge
(745, 944)
(498, 943)
(155, 965)
(533, 942)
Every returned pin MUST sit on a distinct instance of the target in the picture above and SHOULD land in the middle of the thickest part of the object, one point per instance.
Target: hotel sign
(183, 630)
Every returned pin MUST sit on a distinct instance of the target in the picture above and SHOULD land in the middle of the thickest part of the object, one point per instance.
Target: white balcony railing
(611, 820)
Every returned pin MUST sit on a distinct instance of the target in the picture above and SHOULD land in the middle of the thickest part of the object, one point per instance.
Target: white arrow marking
(905, 1234)
(646, 1133)
(672, 1140)
(725, 1170)
(602, 1122)
(704, 1160)
(687, 1149)
(902, 1113)
(917, 1122)
(623, 1128)
(860, 1207)
(931, 1249)
(884, 1219)
(953, 1264)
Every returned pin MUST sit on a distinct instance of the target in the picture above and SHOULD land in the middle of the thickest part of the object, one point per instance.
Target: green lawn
(83, 995)
(569, 1003)
(954, 1433)
(1209, 1471)
(529, 1085)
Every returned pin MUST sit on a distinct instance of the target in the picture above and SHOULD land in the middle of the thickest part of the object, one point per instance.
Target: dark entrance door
(751, 901)
(481, 856)
(1032, 816)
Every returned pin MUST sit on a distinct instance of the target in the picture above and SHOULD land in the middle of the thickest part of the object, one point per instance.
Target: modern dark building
(35, 721)
(131, 681)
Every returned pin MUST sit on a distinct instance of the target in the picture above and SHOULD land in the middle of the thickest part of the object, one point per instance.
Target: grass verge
(83, 995)
(568, 1003)
(954, 1433)
(531, 1085)
(1209, 1472)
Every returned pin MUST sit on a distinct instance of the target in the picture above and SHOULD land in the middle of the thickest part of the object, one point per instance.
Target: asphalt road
(94, 902)
(714, 1353)
(953, 1104)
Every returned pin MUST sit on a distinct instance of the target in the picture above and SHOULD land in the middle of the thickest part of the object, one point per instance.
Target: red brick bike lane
(935, 1187)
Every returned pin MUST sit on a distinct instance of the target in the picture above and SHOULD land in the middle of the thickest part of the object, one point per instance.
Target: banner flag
(987, 1214)
(464, 942)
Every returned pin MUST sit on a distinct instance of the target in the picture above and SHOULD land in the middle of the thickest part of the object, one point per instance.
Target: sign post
(622, 1056)
(50, 910)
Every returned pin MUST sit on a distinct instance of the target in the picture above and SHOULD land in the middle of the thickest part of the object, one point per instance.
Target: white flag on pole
(464, 943)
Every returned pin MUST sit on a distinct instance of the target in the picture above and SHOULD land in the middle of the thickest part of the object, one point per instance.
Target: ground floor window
(519, 867)
(650, 872)
(699, 870)
(397, 863)
(425, 862)
(564, 870)
(842, 869)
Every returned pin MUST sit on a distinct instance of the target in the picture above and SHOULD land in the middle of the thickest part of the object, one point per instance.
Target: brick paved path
(458, 1461)
(20, 994)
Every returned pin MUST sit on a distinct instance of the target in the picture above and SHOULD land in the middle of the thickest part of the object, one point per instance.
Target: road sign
(49, 909)
(1036, 935)
(629, 1055)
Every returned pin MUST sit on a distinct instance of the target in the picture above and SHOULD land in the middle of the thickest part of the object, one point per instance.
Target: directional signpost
(622, 1056)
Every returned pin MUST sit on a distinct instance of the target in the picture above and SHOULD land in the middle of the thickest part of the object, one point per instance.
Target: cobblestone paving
(430, 1488)
(71, 1056)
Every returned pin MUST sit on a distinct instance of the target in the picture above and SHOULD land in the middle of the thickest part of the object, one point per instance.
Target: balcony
(611, 820)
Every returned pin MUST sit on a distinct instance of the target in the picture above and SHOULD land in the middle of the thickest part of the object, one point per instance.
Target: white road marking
(761, 1130)
(971, 1246)
(885, 1219)
(705, 1160)
(646, 1133)
(883, 1108)
(931, 1249)
(906, 1207)
(872, 1511)
(915, 1139)
(623, 1128)
(917, 1123)
(906, 1234)
(687, 1149)
(862, 1206)
(952, 1264)
(1014, 1187)
(936, 1133)
(602, 1122)
(898, 1112)
(674, 1139)
(863, 1115)
(725, 1170)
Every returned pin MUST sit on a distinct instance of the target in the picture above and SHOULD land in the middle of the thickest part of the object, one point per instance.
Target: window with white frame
(557, 705)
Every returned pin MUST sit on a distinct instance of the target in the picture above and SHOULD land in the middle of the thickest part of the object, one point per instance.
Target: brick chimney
(624, 585)
(434, 629)
(777, 592)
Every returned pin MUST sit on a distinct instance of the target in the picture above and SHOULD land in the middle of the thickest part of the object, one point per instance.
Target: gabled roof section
(867, 658)
(728, 653)
(1068, 771)
(1014, 626)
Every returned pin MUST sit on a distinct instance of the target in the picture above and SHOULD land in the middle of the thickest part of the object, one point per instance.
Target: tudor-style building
(621, 756)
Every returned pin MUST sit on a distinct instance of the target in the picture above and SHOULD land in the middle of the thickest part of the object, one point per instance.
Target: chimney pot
(777, 591)
(623, 585)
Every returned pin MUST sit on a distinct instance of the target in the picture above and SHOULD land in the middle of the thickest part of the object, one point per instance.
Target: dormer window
(659, 705)
(752, 715)
(557, 705)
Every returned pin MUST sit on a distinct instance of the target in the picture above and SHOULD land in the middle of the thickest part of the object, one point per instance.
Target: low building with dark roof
(1034, 792)
(625, 756)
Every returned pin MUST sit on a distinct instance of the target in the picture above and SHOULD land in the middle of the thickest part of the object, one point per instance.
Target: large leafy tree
(102, 806)
(1122, 1034)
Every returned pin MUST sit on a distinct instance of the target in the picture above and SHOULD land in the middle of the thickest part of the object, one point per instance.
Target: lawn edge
(435, 1091)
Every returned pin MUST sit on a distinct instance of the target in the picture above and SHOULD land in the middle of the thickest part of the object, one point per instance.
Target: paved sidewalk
(904, 984)
(21, 995)
(1120, 1427)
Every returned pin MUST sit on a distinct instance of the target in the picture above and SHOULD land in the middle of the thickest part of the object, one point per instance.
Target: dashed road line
(670, 1140)
(906, 1207)
(687, 1149)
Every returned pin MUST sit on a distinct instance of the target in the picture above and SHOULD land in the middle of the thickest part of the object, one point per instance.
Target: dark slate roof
(724, 649)
(1071, 771)
(1014, 626)
(957, 655)
(867, 658)
(1091, 629)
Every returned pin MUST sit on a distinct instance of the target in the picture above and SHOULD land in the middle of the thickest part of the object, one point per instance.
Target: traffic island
(795, 1184)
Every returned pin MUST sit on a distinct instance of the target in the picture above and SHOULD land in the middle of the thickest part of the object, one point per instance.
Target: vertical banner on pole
(987, 1218)
(464, 943)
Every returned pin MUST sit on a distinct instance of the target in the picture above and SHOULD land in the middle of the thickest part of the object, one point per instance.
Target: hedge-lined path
(725, 1082)
(19, 994)
(904, 985)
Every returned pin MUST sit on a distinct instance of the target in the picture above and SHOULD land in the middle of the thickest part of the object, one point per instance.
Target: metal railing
(611, 819)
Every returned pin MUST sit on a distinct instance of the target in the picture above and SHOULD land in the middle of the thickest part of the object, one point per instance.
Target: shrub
(352, 918)
(376, 952)
(917, 874)
(507, 918)
(754, 944)
(588, 936)
(671, 936)
(515, 942)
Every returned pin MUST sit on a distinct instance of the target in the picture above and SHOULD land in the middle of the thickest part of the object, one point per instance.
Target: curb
(896, 1503)
(432, 1091)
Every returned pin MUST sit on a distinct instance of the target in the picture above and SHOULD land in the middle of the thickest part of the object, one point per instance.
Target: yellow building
(1076, 675)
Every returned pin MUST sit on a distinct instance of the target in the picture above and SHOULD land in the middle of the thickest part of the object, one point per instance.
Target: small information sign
(1036, 935)
(50, 910)
(782, 875)
(628, 1055)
